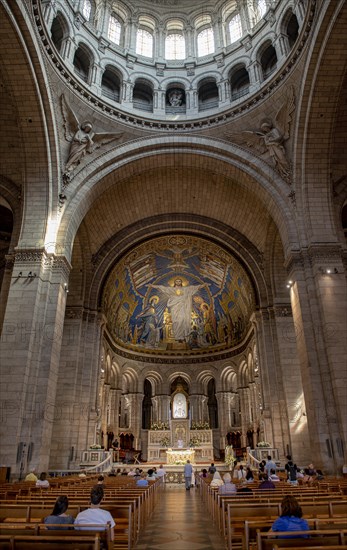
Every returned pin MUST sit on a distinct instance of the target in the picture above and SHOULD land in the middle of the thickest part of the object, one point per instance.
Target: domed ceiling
(178, 294)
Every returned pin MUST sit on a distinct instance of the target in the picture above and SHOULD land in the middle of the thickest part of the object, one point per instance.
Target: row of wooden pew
(23, 515)
(244, 519)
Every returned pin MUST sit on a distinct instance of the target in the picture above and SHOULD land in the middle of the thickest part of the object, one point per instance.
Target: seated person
(95, 514)
(101, 481)
(266, 483)
(151, 475)
(273, 476)
(31, 476)
(42, 481)
(216, 480)
(249, 475)
(212, 469)
(241, 473)
(58, 516)
(142, 482)
(290, 518)
(161, 472)
(203, 473)
(228, 488)
(310, 474)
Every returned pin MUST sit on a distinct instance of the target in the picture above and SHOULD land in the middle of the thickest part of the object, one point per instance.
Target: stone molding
(57, 264)
(150, 358)
(139, 120)
(324, 254)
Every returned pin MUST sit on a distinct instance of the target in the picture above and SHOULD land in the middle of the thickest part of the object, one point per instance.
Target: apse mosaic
(178, 293)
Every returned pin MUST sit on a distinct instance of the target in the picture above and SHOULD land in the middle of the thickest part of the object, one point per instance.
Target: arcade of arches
(173, 231)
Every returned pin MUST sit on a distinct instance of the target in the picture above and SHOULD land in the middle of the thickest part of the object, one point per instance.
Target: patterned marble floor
(180, 522)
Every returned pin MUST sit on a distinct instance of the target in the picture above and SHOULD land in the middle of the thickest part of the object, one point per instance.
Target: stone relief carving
(269, 140)
(82, 138)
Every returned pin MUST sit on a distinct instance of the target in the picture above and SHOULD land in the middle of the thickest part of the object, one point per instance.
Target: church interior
(173, 200)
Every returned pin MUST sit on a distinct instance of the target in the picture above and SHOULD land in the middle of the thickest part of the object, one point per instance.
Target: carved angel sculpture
(81, 136)
(270, 137)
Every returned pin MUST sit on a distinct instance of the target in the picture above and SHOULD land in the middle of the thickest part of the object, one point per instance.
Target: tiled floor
(180, 522)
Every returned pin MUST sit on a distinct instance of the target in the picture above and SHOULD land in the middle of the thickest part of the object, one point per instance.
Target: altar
(179, 455)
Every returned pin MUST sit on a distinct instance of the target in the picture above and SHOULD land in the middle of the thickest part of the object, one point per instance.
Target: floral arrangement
(95, 446)
(200, 426)
(164, 442)
(159, 426)
(194, 442)
(229, 455)
(263, 444)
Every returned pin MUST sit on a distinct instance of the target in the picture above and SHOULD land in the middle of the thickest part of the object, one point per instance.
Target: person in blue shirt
(290, 518)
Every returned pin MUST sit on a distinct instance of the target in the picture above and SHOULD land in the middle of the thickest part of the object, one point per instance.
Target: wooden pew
(331, 547)
(266, 541)
(58, 542)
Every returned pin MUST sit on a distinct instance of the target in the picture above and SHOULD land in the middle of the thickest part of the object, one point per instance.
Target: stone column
(319, 308)
(114, 412)
(299, 10)
(78, 417)
(269, 357)
(194, 399)
(29, 356)
(281, 46)
(136, 417)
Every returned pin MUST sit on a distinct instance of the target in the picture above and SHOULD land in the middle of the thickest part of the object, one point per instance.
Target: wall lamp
(66, 288)
(20, 274)
(31, 275)
(289, 284)
(329, 270)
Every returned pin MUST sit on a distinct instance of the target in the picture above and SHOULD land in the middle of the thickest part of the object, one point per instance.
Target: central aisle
(180, 522)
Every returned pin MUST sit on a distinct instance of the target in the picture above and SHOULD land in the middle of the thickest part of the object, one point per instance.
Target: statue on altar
(179, 406)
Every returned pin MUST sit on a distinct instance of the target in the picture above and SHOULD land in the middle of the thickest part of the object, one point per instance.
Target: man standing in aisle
(188, 471)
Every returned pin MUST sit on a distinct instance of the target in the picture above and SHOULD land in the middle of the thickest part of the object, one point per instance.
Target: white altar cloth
(179, 455)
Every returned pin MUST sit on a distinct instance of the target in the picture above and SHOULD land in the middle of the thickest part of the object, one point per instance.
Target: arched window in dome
(111, 84)
(260, 8)
(144, 43)
(205, 42)
(82, 62)
(114, 29)
(208, 94)
(268, 60)
(291, 28)
(239, 82)
(143, 95)
(59, 31)
(235, 28)
(175, 46)
(86, 9)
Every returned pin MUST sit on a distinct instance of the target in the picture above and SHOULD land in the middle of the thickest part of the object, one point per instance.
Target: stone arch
(269, 189)
(314, 148)
(38, 179)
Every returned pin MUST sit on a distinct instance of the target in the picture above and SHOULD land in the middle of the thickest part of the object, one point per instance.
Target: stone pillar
(255, 74)
(130, 37)
(319, 308)
(29, 357)
(274, 406)
(281, 46)
(79, 416)
(226, 404)
(114, 410)
(136, 417)
(218, 34)
(104, 413)
(299, 10)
